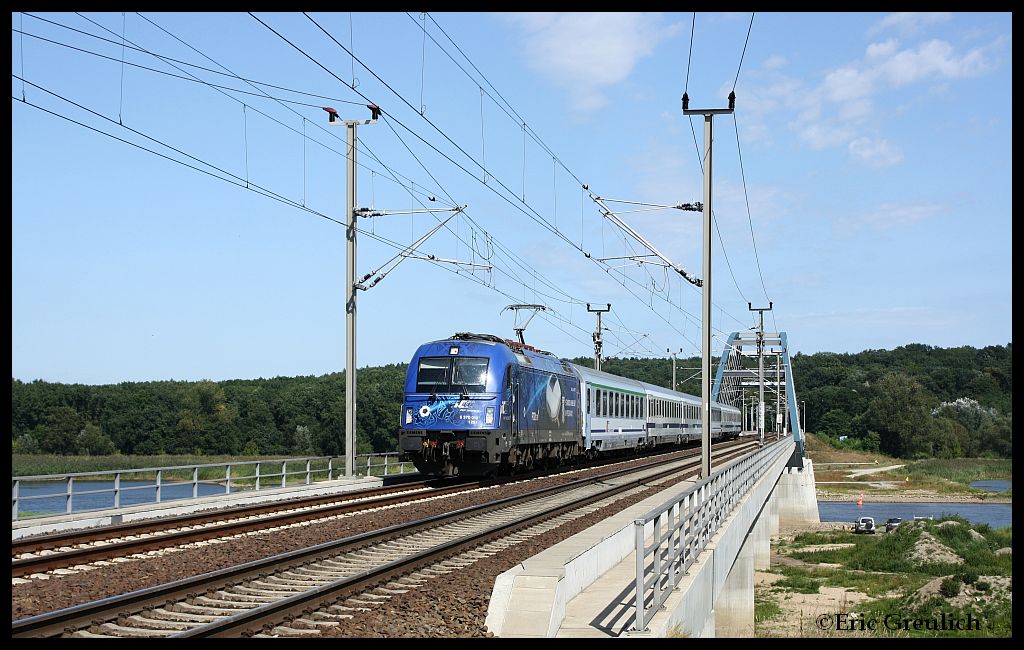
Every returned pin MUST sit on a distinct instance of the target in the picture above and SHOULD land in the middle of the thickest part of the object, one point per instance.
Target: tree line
(914, 401)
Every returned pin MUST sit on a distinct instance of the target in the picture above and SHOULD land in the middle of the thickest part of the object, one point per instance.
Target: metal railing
(683, 526)
(233, 478)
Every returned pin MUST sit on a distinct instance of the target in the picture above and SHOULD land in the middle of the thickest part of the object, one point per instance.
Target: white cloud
(837, 111)
(587, 52)
(882, 50)
(822, 135)
(877, 153)
(934, 58)
(848, 83)
(907, 23)
(890, 215)
(773, 62)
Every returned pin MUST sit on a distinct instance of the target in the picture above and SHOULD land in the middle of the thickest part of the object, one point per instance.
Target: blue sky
(876, 155)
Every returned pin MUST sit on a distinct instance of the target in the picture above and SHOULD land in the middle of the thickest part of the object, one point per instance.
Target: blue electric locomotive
(475, 402)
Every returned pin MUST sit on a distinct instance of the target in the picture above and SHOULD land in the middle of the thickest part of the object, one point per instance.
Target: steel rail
(27, 566)
(81, 616)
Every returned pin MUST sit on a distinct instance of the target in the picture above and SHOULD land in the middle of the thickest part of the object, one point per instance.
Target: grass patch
(873, 584)
(963, 470)
(799, 580)
(995, 618)
(890, 553)
(821, 537)
(886, 553)
(821, 451)
(765, 607)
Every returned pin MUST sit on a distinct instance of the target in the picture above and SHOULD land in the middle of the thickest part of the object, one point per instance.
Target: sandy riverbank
(904, 497)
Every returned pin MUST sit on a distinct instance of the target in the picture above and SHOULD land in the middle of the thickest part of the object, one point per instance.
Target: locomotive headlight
(489, 415)
(408, 416)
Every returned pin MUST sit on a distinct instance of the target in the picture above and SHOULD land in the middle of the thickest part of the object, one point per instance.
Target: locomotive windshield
(470, 373)
(449, 374)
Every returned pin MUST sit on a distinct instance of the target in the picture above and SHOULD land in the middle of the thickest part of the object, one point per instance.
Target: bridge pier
(798, 505)
(760, 537)
(734, 609)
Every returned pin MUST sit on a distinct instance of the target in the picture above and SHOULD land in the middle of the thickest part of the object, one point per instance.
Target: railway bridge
(681, 562)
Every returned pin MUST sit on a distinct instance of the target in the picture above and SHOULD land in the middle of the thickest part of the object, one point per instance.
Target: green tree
(93, 442)
(58, 432)
(899, 412)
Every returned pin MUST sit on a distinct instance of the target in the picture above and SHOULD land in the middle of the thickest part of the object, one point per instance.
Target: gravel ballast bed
(61, 591)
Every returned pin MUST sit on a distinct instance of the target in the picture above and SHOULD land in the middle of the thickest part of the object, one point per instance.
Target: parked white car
(864, 525)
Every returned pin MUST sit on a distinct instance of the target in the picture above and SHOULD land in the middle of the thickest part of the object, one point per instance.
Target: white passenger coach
(623, 413)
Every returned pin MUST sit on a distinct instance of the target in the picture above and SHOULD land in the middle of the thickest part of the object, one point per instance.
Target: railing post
(117, 490)
(70, 493)
(257, 477)
(307, 471)
(657, 560)
(672, 556)
(195, 482)
(284, 473)
(227, 475)
(641, 618)
(330, 468)
(15, 489)
(368, 459)
(159, 474)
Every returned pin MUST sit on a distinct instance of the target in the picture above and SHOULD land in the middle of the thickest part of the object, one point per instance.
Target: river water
(997, 515)
(81, 502)
(992, 486)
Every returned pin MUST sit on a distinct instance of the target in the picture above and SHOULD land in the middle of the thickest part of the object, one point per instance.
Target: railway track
(320, 587)
(60, 551)
(81, 550)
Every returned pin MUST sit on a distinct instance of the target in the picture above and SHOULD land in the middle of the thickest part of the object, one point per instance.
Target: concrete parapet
(584, 586)
(530, 598)
(727, 563)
